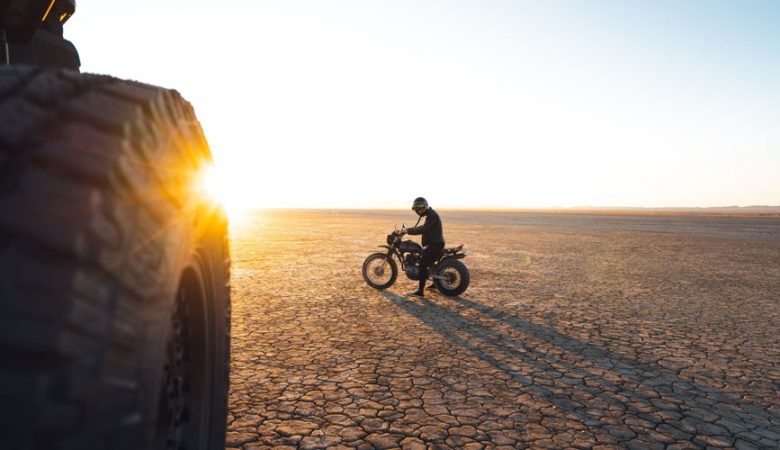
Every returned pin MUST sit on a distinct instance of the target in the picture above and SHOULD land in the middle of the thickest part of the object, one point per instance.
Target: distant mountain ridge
(724, 209)
(751, 210)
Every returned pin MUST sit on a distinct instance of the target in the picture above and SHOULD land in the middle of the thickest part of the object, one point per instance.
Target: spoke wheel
(456, 277)
(380, 271)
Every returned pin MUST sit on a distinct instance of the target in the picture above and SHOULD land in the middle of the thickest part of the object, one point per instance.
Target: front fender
(385, 246)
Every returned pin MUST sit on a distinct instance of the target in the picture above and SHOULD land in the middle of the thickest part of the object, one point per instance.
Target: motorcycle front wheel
(380, 271)
(457, 277)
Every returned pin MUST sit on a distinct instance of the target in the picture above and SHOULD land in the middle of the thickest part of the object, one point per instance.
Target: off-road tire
(114, 297)
(464, 277)
(393, 270)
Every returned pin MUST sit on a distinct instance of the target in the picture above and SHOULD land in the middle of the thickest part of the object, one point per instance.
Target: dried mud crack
(577, 332)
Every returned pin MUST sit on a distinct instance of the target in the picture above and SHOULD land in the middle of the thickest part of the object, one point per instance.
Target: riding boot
(421, 284)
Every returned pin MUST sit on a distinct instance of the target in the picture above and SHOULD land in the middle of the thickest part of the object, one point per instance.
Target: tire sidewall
(208, 261)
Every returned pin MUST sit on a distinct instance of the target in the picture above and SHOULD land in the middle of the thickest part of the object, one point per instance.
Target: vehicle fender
(455, 256)
(385, 246)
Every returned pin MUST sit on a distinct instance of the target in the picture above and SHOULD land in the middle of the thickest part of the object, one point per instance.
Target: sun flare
(218, 186)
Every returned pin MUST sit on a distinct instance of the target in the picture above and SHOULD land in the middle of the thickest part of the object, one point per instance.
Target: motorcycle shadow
(532, 354)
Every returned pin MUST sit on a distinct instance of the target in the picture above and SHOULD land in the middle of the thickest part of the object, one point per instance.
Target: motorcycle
(449, 274)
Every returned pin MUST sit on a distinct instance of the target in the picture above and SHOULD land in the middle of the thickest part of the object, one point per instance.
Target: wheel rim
(379, 271)
(185, 394)
(452, 280)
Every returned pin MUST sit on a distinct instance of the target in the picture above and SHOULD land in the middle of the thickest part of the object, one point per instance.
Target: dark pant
(430, 254)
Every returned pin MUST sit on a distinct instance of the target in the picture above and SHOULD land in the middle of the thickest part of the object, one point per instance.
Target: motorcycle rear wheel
(375, 270)
(458, 275)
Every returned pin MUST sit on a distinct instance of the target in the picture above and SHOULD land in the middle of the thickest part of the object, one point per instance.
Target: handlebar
(400, 232)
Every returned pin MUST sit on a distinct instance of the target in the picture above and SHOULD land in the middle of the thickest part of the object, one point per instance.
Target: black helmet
(420, 205)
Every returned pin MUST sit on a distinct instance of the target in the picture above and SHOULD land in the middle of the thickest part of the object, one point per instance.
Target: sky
(471, 104)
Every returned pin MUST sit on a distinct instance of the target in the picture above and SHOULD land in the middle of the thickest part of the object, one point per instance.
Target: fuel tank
(410, 246)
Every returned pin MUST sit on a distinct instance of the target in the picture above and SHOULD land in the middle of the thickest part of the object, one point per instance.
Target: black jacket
(430, 230)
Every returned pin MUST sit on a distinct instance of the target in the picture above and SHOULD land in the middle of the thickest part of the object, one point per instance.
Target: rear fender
(455, 256)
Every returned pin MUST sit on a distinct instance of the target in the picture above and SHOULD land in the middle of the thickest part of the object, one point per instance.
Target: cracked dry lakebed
(578, 331)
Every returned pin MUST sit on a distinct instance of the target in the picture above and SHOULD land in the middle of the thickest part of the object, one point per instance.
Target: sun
(219, 187)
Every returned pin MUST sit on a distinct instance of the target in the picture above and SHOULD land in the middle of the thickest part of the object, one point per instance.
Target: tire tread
(78, 157)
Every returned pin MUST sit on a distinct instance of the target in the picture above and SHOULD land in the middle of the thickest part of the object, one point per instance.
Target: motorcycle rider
(432, 239)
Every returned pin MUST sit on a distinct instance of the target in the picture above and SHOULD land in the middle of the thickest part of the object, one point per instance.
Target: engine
(412, 261)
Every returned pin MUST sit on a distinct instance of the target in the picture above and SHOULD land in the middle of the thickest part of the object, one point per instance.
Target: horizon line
(763, 208)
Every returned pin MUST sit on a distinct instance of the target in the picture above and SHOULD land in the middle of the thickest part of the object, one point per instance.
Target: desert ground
(578, 331)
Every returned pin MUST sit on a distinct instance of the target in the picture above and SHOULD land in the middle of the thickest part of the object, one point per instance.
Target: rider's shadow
(591, 372)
